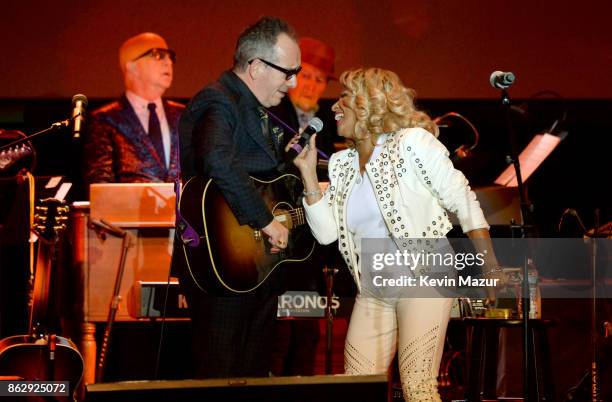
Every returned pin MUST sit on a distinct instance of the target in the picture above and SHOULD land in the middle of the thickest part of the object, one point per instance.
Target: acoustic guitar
(16, 157)
(224, 257)
(40, 356)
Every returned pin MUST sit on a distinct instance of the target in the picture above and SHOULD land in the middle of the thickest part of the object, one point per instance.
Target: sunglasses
(289, 73)
(158, 54)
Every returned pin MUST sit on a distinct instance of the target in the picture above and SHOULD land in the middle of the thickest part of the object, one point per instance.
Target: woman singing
(395, 182)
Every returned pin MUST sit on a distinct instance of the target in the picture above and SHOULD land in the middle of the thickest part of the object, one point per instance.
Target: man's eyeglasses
(289, 74)
(158, 54)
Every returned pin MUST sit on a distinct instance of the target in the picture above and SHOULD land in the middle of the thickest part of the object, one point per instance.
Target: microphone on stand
(79, 103)
(501, 80)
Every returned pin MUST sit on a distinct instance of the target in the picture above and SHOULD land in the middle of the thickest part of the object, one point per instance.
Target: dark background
(442, 48)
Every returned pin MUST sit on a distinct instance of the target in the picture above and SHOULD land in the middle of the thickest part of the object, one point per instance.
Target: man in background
(135, 139)
(303, 104)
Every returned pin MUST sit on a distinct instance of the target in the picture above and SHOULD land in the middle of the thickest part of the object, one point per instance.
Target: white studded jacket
(414, 183)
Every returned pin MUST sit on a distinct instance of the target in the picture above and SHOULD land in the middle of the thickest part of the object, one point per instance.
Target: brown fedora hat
(318, 54)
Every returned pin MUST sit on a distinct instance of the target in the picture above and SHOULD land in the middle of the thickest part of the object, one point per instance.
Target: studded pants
(415, 327)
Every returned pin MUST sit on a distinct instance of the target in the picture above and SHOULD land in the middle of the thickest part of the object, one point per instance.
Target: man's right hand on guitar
(278, 235)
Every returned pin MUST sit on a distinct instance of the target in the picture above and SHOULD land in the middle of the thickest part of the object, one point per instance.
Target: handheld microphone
(501, 80)
(314, 126)
(79, 103)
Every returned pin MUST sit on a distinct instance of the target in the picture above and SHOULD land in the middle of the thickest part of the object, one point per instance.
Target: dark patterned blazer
(221, 138)
(118, 149)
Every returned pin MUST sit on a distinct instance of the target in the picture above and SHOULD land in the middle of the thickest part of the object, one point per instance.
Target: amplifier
(146, 300)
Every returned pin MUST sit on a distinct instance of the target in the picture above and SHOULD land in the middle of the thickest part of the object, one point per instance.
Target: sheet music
(532, 156)
(53, 182)
(62, 191)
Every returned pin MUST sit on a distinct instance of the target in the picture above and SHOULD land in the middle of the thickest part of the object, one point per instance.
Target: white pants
(414, 326)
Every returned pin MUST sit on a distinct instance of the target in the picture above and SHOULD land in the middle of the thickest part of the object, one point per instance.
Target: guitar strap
(291, 130)
(187, 234)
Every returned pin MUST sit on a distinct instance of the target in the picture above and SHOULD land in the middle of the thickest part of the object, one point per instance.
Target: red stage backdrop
(442, 48)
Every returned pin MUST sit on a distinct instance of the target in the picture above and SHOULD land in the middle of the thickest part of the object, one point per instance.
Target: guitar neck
(40, 289)
(292, 218)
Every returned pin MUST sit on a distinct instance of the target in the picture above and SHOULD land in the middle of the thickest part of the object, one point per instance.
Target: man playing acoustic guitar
(227, 136)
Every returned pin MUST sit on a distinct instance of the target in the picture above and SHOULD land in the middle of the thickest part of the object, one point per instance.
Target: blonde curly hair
(381, 103)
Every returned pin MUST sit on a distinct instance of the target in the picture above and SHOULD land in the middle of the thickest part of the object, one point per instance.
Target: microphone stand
(526, 228)
(54, 127)
(593, 371)
(594, 338)
(104, 227)
(329, 316)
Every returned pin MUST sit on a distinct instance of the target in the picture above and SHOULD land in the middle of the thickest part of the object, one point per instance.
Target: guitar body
(234, 258)
(40, 356)
(27, 357)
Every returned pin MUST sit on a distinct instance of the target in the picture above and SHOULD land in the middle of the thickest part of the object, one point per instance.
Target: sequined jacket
(118, 149)
(414, 182)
